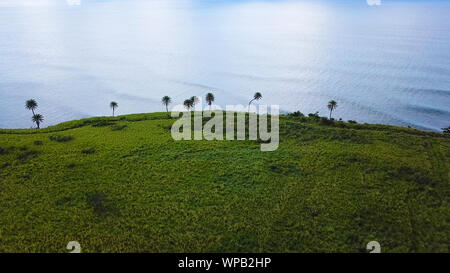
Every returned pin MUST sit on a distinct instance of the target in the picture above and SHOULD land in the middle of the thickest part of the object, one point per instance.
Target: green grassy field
(124, 185)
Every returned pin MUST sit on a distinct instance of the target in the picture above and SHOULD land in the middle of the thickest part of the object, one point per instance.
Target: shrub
(446, 130)
(60, 138)
(88, 151)
(315, 115)
(118, 127)
(297, 114)
(96, 201)
(314, 212)
(27, 155)
(420, 177)
(352, 121)
(167, 127)
(4, 151)
(63, 201)
(38, 143)
(325, 121)
(23, 148)
(103, 123)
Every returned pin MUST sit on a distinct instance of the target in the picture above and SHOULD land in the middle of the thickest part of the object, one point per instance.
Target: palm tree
(332, 104)
(209, 99)
(37, 118)
(31, 105)
(187, 104)
(113, 105)
(257, 96)
(194, 101)
(166, 100)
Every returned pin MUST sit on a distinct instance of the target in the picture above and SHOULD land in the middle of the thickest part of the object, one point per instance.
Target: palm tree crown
(188, 104)
(194, 101)
(209, 99)
(332, 104)
(31, 105)
(38, 119)
(166, 100)
(113, 105)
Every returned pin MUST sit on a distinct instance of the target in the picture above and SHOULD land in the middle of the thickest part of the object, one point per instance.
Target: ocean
(387, 63)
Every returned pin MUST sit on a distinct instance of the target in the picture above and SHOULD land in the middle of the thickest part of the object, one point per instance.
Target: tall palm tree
(37, 118)
(113, 105)
(166, 100)
(187, 104)
(257, 96)
(31, 105)
(209, 99)
(332, 104)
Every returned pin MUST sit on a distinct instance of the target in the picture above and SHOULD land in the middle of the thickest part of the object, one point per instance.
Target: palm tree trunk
(37, 123)
(113, 111)
(331, 110)
(249, 105)
(167, 110)
(32, 111)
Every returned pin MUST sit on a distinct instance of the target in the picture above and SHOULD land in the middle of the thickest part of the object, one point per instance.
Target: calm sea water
(382, 64)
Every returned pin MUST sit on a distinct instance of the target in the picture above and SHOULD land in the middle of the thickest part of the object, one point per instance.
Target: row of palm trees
(166, 100)
(209, 98)
(38, 118)
(190, 103)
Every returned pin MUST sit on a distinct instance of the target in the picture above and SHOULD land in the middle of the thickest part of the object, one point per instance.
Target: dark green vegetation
(123, 184)
(446, 130)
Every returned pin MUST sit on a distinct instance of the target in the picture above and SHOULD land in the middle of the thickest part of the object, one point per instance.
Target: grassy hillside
(123, 184)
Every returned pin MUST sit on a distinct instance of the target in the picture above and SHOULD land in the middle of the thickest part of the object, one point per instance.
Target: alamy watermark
(373, 2)
(73, 2)
(74, 246)
(236, 125)
(373, 247)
